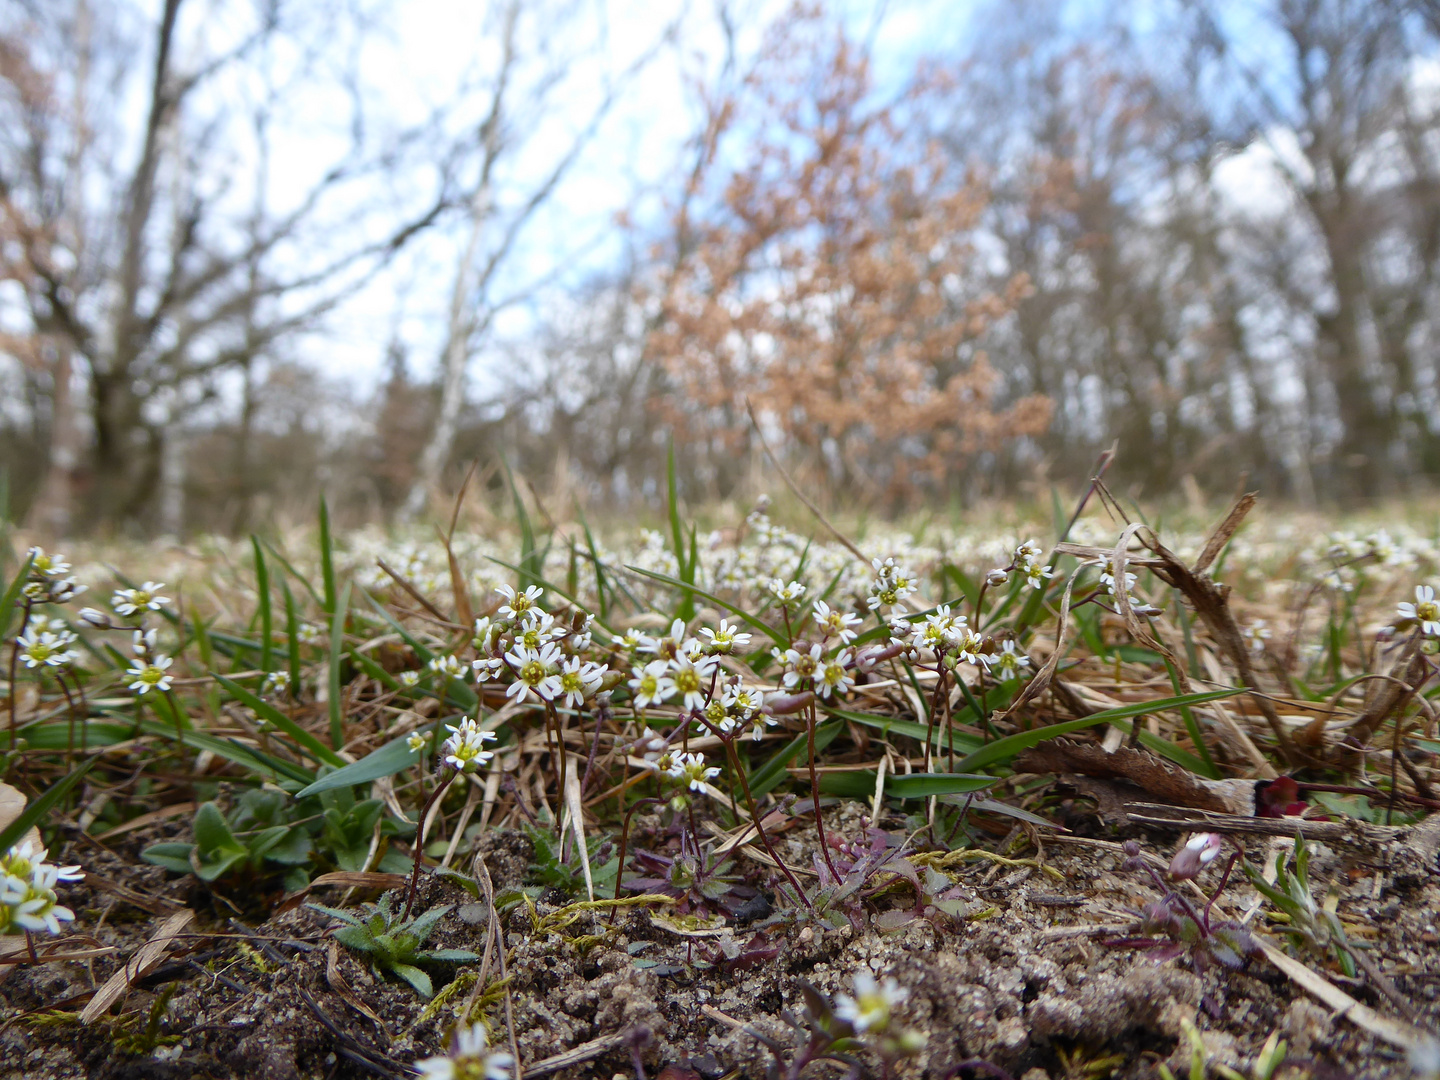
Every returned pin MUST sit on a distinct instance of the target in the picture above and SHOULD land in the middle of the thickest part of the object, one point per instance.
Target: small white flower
(1028, 552)
(690, 676)
(786, 592)
(803, 667)
(725, 639)
(150, 675)
(744, 701)
(536, 671)
(516, 604)
(416, 742)
(834, 676)
(692, 770)
(142, 642)
(1257, 633)
(310, 634)
(465, 750)
(997, 577)
(46, 649)
(869, 1009)
(276, 682)
(835, 623)
(488, 668)
(43, 565)
(1010, 661)
(145, 598)
(667, 646)
(651, 685)
(448, 666)
(1425, 610)
(580, 679)
(1036, 575)
(409, 678)
(470, 1058)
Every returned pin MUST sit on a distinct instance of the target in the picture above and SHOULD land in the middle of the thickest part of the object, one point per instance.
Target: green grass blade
(247, 757)
(292, 637)
(772, 773)
(267, 616)
(666, 579)
(337, 654)
(530, 558)
(861, 785)
(32, 814)
(273, 716)
(327, 557)
(1004, 749)
(12, 594)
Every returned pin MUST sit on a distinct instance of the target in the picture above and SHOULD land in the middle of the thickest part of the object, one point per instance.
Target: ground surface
(1024, 981)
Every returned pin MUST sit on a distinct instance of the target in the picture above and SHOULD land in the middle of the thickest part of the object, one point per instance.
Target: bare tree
(533, 74)
(138, 260)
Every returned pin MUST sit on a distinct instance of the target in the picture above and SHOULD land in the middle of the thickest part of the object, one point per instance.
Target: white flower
(1424, 611)
(448, 666)
(416, 742)
(691, 768)
(46, 649)
(690, 674)
(488, 668)
(744, 701)
(1257, 633)
(310, 634)
(1010, 661)
(465, 750)
(834, 676)
(580, 679)
(536, 628)
(276, 682)
(53, 566)
(516, 604)
(666, 646)
(725, 639)
(150, 675)
(481, 638)
(409, 678)
(997, 577)
(803, 667)
(970, 649)
(470, 1058)
(869, 1009)
(835, 623)
(1029, 552)
(535, 670)
(27, 891)
(142, 642)
(786, 592)
(1036, 575)
(145, 598)
(651, 686)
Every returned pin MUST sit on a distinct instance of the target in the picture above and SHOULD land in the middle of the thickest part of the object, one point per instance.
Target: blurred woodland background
(945, 253)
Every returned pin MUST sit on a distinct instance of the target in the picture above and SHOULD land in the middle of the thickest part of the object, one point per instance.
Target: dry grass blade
(146, 958)
(1395, 1032)
(575, 810)
(1224, 531)
(1036, 686)
(346, 993)
(587, 1051)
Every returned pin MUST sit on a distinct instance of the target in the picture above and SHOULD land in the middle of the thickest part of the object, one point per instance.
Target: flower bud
(1199, 852)
(997, 577)
(95, 618)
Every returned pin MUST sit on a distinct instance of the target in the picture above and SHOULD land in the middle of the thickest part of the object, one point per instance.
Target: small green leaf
(416, 978)
(386, 761)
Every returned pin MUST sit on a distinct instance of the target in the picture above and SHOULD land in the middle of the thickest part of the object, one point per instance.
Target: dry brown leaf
(342, 988)
(145, 960)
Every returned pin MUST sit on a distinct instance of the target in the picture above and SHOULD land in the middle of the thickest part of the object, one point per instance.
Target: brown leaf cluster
(832, 284)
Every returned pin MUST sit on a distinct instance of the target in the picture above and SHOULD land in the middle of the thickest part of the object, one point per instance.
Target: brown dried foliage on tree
(832, 284)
